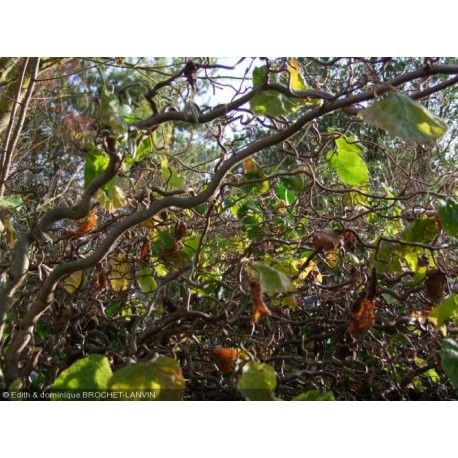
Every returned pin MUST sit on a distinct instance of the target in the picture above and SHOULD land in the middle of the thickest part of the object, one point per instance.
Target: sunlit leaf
(422, 230)
(96, 162)
(143, 149)
(161, 377)
(120, 274)
(315, 395)
(448, 213)
(10, 201)
(112, 199)
(91, 373)
(449, 358)
(297, 83)
(250, 165)
(272, 280)
(146, 280)
(257, 382)
(399, 115)
(444, 311)
(10, 232)
(348, 163)
(73, 282)
(257, 188)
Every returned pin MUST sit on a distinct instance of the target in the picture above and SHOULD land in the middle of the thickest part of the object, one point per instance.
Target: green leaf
(257, 382)
(272, 280)
(449, 357)
(162, 377)
(96, 162)
(387, 258)
(146, 280)
(170, 175)
(285, 194)
(399, 115)
(448, 213)
(446, 309)
(145, 147)
(266, 102)
(347, 162)
(255, 188)
(88, 374)
(109, 114)
(315, 395)
(422, 230)
(294, 182)
(10, 202)
(349, 144)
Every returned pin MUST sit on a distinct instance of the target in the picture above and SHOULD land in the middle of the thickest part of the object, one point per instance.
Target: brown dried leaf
(435, 284)
(328, 239)
(363, 318)
(168, 253)
(226, 357)
(145, 253)
(101, 282)
(259, 307)
(180, 229)
(349, 240)
(88, 224)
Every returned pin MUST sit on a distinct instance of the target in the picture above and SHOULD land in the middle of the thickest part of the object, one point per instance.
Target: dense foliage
(204, 229)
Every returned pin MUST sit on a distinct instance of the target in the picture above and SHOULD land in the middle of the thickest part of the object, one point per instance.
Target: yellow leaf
(312, 268)
(73, 281)
(10, 234)
(113, 199)
(297, 81)
(250, 165)
(120, 273)
(119, 198)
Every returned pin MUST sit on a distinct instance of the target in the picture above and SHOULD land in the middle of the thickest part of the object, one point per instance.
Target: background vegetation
(272, 229)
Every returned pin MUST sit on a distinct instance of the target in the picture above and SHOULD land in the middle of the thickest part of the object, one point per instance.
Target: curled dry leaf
(435, 284)
(328, 239)
(259, 307)
(349, 240)
(88, 224)
(145, 253)
(101, 281)
(180, 229)
(363, 318)
(226, 358)
(167, 253)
